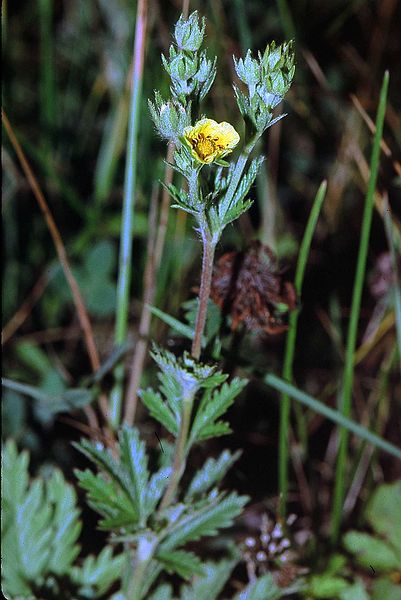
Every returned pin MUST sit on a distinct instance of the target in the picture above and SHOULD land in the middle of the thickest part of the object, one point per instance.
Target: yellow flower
(209, 140)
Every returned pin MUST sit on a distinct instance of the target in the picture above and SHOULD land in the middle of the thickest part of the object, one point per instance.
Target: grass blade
(290, 347)
(125, 258)
(334, 415)
(348, 378)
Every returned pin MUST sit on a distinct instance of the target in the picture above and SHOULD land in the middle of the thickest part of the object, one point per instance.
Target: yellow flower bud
(209, 140)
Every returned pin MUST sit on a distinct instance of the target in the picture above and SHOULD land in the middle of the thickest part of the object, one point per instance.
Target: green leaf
(104, 459)
(326, 586)
(40, 525)
(371, 551)
(384, 514)
(107, 499)
(181, 328)
(356, 591)
(263, 588)
(99, 572)
(212, 406)
(211, 473)
(154, 490)
(163, 592)
(159, 410)
(135, 461)
(65, 401)
(185, 564)
(209, 585)
(218, 514)
(384, 588)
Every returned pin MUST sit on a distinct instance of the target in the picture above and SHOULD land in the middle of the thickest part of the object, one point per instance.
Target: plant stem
(209, 247)
(124, 269)
(339, 489)
(179, 457)
(145, 550)
(290, 349)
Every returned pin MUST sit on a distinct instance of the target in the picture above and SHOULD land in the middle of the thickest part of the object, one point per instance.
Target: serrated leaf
(209, 585)
(185, 564)
(212, 472)
(207, 521)
(159, 410)
(135, 461)
(40, 525)
(212, 406)
(66, 527)
(107, 500)
(99, 572)
(154, 491)
(107, 463)
(263, 588)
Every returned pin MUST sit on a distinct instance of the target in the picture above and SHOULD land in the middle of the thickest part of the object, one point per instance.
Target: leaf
(263, 588)
(209, 585)
(159, 410)
(218, 514)
(40, 525)
(212, 406)
(371, 551)
(99, 572)
(63, 402)
(384, 514)
(66, 527)
(154, 490)
(212, 472)
(107, 463)
(181, 328)
(163, 592)
(356, 591)
(135, 461)
(185, 564)
(384, 588)
(326, 586)
(107, 499)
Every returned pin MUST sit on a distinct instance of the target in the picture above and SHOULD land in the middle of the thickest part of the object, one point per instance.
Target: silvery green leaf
(211, 473)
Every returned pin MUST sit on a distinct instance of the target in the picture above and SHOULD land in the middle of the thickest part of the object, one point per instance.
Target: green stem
(124, 268)
(290, 349)
(339, 489)
(180, 452)
(47, 78)
(145, 550)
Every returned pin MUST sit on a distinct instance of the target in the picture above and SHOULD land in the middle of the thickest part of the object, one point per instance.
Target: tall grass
(348, 377)
(125, 256)
(290, 348)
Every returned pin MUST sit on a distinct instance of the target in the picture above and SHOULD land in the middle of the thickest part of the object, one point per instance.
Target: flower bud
(189, 33)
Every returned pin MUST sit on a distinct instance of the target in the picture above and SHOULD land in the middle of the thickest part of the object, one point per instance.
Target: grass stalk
(290, 348)
(125, 256)
(286, 19)
(334, 415)
(348, 377)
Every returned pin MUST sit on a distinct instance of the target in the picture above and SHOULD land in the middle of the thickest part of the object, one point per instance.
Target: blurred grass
(347, 386)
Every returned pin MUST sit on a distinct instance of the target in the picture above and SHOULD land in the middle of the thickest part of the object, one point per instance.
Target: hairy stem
(145, 550)
(206, 279)
(180, 457)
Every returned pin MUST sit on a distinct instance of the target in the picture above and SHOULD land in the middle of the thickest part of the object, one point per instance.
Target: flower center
(204, 146)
